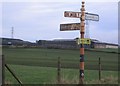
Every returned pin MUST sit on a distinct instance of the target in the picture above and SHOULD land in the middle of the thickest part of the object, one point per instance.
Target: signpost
(80, 26)
(83, 41)
(69, 27)
(88, 16)
(72, 14)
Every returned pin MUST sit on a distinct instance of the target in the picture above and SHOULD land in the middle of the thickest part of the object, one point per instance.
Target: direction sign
(67, 27)
(83, 41)
(72, 14)
(88, 16)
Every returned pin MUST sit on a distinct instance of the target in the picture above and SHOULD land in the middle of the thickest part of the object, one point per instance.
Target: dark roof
(64, 40)
(106, 43)
(5, 41)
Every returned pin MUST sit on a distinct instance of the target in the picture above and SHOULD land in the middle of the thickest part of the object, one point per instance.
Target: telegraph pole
(12, 33)
(82, 32)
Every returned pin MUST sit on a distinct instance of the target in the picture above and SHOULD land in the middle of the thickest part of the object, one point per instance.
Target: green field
(35, 65)
(69, 58)
(48, 75)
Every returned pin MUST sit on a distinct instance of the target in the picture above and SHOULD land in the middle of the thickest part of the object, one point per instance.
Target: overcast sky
(34, 19)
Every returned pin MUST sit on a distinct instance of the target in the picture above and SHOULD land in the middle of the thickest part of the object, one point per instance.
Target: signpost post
(79, 26)
(82, 31)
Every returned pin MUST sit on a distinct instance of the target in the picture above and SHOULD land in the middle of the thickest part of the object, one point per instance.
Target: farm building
(14, 42)
(67, 43)
(98, 44)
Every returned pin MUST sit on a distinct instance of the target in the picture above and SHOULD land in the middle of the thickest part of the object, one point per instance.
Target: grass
(48, 75)
(111, 50)
(69, 58)
(38, 66)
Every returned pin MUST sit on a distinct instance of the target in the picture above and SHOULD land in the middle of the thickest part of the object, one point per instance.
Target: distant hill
(56, 43)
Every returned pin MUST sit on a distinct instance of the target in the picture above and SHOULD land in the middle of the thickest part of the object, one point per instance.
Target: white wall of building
(111, 46)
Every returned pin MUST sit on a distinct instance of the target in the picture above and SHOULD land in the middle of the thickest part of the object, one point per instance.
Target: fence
(8, 68)
(59, 70)
(59, 65)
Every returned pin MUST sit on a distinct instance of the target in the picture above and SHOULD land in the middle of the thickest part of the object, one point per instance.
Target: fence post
(3, 70)
(59, 69)
(99, 69)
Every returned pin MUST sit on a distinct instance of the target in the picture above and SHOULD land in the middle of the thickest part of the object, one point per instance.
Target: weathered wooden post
(0, 70)
(3, 70)
(79, 26)
(99, 69)
(59, 71)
